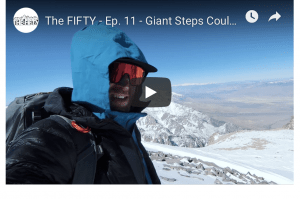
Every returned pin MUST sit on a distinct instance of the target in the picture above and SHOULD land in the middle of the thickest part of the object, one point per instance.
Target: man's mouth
(118, 96)
(119, 100)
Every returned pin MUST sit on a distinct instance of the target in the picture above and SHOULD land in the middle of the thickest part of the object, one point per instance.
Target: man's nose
(124, 81)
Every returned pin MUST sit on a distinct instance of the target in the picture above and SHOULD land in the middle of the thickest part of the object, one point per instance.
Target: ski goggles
(136, 73)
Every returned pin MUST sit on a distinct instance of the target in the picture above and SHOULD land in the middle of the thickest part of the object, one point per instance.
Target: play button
(149, 92)
(155, 92)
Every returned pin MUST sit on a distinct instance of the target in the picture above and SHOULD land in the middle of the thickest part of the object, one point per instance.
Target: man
(107, 70)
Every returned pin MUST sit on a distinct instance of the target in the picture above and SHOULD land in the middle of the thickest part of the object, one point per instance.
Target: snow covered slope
(265, 154)
(179, 125)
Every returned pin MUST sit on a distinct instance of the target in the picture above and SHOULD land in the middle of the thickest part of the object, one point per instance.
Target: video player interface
(202, 81)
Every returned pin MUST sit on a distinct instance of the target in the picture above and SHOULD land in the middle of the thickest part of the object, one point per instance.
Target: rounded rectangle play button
(156, 91)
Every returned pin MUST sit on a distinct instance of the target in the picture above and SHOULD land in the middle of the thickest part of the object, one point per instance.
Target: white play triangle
(149, 92)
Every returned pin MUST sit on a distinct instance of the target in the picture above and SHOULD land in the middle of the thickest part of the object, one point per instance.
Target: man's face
(122, 94)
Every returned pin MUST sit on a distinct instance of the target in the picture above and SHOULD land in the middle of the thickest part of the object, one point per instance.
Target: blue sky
(40, 60)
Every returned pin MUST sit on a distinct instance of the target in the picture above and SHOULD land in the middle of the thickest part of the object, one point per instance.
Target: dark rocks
(197, 178)
(209, 171)
(153, 158)
(188, 170)
(218, 182)
(184, 175)
(242, 176)
(175, 168)
(193, 167)
(227, 169)
(168, 155)
(168, 179)
(290, 125)
(172, 161)
(263, 182)
(260, 178)
(197, 172)
(221, 174)
(160, 154)
(217, 172)
(235, 172)
(211, 164)
(200, 166)
(205, 172)
(225, 179)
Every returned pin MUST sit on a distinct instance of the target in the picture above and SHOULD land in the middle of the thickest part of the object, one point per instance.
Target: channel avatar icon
(26, 20)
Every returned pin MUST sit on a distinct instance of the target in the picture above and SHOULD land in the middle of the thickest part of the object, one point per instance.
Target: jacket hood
(93, 49)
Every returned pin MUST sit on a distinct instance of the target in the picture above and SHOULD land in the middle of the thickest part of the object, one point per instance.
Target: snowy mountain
(178, 125)
(290, 125)
(248, 157)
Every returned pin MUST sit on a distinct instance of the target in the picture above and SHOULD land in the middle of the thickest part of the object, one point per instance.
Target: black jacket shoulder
(43, 153)
(47, 152)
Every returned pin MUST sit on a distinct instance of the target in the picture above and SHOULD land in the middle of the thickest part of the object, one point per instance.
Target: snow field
(267, 154)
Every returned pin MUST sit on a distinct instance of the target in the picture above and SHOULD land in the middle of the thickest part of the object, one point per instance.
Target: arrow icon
(149, 92)
(275, 16)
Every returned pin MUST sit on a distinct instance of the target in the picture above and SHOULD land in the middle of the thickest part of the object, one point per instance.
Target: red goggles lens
(135, 73)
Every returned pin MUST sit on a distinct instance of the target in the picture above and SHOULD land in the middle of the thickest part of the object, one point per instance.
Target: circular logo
(251, 16)
(26, 20)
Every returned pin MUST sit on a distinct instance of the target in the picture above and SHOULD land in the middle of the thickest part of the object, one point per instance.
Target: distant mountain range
(179, 125)
(274, 88)
(257, 105)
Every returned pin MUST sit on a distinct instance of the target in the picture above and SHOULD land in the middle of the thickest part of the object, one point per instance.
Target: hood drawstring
(79, 128)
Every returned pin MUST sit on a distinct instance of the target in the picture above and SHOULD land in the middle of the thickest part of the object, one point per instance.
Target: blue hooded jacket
(93, 49)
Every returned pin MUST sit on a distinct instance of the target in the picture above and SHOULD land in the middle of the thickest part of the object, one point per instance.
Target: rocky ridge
(195, 168)
(290, 125)
(178, 125)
